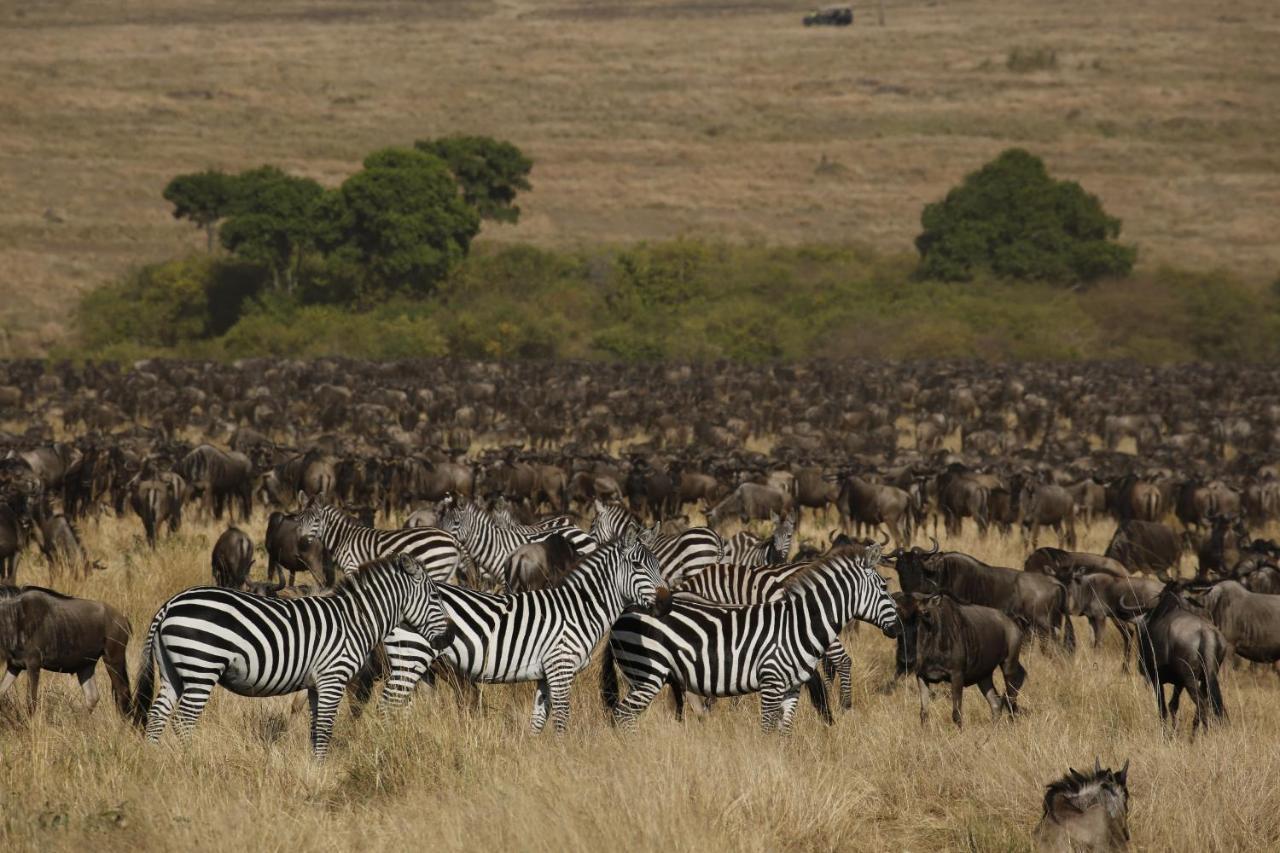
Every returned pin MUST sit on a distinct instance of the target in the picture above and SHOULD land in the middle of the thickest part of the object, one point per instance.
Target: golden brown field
(439, 777)
(645, 120)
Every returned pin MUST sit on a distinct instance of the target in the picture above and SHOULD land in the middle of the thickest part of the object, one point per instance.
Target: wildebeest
(1249, 621)
(61, 546)
(45, 630)
(1085, 811)
(219, 477)
(13, 539)
(154, 502)
(1177, 646)
(232, 558)
(873, 504)
(751, 501)
(963, 645)
(1145, 546)
(961, 494)
(285, 552)
(539, 565)
(1051, 505)
(1099, 596)
(1220, 551)
(1065, 564)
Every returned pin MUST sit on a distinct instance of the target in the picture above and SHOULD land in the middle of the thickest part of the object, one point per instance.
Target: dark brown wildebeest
(963, 645)
(1050, 505)
(13, 539)
(152, 501)
(1085, 812)
(1132, 499)
(43, 629)
(1179, 647)
(1099, 596)
(286, 553)
(232, 558)
(1039, 600)
(751, 501)
(863, 503)
(1145, 546)
(1065, 564)
(540, 565)
(219, 477)
(1090, 498)
(1221, 549)
(962, 495)
(61, 546)
(1249, 621)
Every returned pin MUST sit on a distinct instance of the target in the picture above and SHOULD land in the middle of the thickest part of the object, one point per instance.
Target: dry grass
(645, 119)
(446, 778)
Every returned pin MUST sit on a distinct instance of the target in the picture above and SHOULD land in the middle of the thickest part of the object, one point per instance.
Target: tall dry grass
(441, 776)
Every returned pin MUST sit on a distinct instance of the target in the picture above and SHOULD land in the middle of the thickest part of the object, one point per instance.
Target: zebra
(726, 583)
(500, 512)
(726, 650)
(490, 545)
(680, 556)
(353, 544)
(257, 646)
(747, 550)
(544, 635)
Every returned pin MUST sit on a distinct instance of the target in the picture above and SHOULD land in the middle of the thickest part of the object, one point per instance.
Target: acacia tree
(205, 198)
(272, 221)
(1013, 218)
(401, 219)
(489, 172)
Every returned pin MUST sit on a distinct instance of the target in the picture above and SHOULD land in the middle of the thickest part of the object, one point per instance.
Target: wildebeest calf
(1085, 811)
(43, 629)
(964, 644)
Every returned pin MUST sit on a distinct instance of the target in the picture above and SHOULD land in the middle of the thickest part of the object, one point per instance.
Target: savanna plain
(442, 774)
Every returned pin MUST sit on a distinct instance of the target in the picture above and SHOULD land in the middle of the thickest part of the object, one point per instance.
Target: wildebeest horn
(884, 541)
(936, 547)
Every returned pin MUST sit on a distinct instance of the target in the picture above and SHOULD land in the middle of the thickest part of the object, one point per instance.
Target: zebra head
(612, 521)
(784, 530)
(874, 603)
(311, 521)
(424, 611)
(640, 580)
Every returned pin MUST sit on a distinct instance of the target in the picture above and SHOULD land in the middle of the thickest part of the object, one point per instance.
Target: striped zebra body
(501, 515)
(257, 646)
(490, 545)
(744, 549)
(353, 544)
(680, 556)
(726, 650)
(726, 583)
(545, 635)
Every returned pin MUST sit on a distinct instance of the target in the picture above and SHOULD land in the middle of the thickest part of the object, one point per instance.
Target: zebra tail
(608, 680)
(144, 692)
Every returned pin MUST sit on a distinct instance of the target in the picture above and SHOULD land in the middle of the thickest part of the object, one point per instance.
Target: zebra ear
(630, 538)
(872, 555)
(410, 566)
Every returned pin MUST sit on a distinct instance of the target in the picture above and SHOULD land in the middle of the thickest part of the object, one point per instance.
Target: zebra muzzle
(661, 602)
(442, 640)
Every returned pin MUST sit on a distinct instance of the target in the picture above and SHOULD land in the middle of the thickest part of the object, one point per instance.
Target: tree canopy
(272, 220)
(1013, 218)
(489, 172)
(205, 198)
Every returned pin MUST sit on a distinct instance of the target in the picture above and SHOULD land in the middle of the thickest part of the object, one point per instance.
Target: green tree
(489, 172)
(1012, 218)
(401, 219)
(205, 198)
(272, 220)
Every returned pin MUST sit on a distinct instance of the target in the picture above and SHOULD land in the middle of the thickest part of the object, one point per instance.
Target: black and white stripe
(744, 549)
(680, 555)
(545, 635)
(724, 650)
(352, 544)
(257, 646)
(490, 545)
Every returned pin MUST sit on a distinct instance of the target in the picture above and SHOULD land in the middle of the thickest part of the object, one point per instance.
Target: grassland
(439, 776)
(646, 120)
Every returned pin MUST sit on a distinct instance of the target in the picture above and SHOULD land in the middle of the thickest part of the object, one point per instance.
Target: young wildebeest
(540, 565)
(43, 629)
(1249, 621)
(1178, 647)
(232, 558)
(964, 644)
(1085, 812)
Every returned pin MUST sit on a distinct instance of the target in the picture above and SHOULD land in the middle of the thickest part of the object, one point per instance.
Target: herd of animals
(423, 557)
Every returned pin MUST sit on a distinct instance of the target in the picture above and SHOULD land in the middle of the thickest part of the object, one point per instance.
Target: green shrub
(1012, 218)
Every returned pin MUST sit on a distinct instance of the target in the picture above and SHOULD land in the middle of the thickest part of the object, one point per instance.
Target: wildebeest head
(914, 573)
(1069, 801)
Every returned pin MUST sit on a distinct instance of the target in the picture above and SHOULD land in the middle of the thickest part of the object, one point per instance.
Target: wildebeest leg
(988, 687)
(925, 696)
(1098, 624)
(957, 700)
(1126, 632)
(89, 686)
(10, 675)
(33, 687)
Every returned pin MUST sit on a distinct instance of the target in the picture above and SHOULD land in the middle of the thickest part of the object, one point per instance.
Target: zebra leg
(166, 700)
(324, 699)
(841, 666)
(771, 698)
(559, 680)
(195, 696)
(640, 695)
(540, 700)
(789, 700)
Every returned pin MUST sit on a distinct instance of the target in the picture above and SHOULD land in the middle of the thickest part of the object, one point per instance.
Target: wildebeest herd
(498, 522)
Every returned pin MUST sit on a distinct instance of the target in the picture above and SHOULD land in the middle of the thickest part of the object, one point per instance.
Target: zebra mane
(812, 575)
(351, 581)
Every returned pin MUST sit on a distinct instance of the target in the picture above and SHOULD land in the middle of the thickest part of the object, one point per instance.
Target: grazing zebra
(680, 556)
(353, 544)
(544, 635)
(726, 583)
(726, 650)
(258, 646)
(490, 545)
(747, 550)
